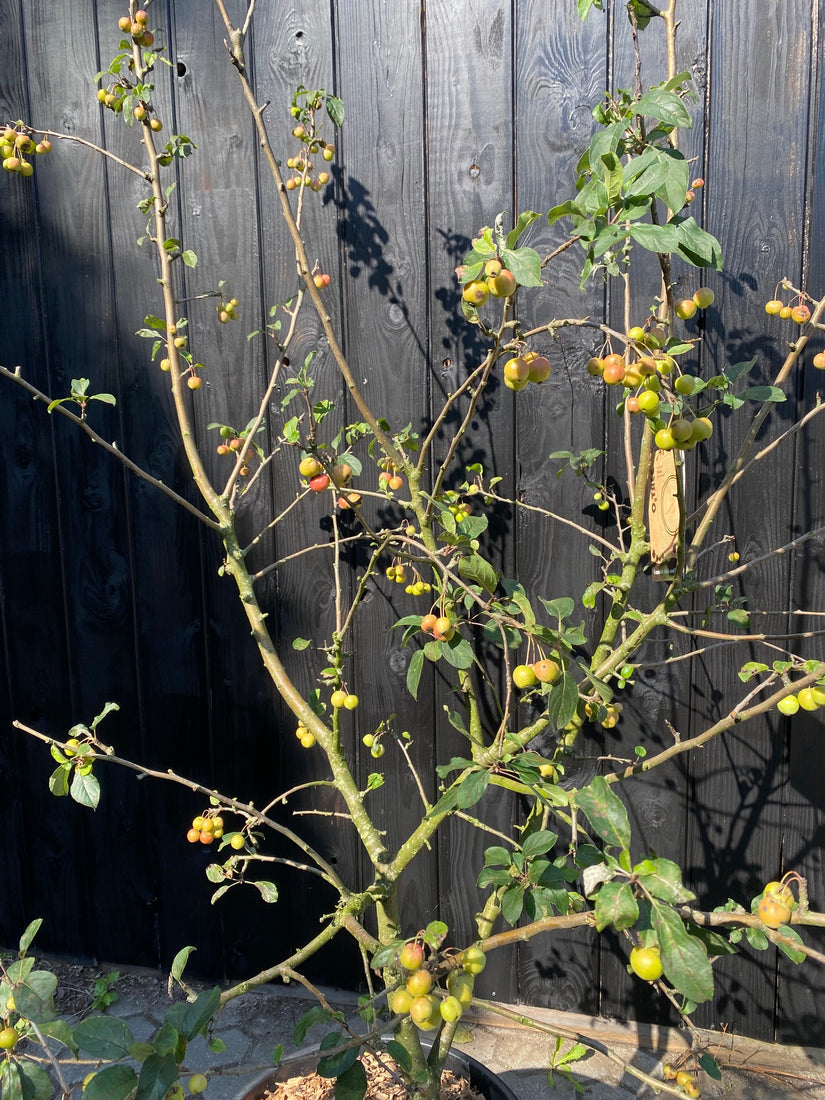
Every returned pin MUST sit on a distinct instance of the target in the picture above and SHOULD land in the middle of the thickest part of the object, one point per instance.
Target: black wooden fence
(457, 109)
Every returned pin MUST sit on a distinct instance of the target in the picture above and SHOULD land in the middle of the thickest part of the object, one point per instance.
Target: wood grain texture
(740, 846)
(657, 805)
(559, 70)
(470, 150)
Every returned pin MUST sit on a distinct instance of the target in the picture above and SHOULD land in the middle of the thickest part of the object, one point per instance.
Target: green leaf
(471, 789)
(695, 244)
(525, 264)
(269, 891)
(335, 1064)
(189, 258)
(414, 672)
(477, 570)
(59, 780)
(111, 1083)
(180, 960)
(104, 1037)
(352, 1083)
(199, 1012)
(562, 701)
(28, 935)
(663, 879)
(107, 709)
(85, 789)
(561, 608)
(655, 238)
(606, 813)
(60, 1030)
(35, 1081)
(512, 903)
(613, 176)
(157, 1076)
(106, 398)
(11, 1086)
(616, 906)
(792, 953)
(33, 995)
(496, 856)
(536, 844)
(710, 1066)
(315, 1015)
(458, 652)
(684, 959)
(525, 219)
(584, 7)
(764, 393)
(335, 110)
(400, 1053)
(664, 106)
(385, 955)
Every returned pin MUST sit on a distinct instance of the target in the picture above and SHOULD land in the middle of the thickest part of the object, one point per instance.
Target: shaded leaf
(684, 959)
(616, 906)
(111, 1083)
(352, 1084)
(606, 812)
(157, 1075)
(104, 1037)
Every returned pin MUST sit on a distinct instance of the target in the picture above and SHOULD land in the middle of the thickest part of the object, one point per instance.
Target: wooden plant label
(663, 508)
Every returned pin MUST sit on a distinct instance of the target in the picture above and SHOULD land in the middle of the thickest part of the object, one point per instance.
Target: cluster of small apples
(416, 998)
(809, 698)
(232, 442)
(686, 308)
(193, 379)
(497, 281)
(685, 1080)
(441, 627)
(543, 671)
(648, 376)
(346, 699)
(373, 743)
(777, 902)
(143, 113)
(418, 587)
(398, 572)
(389, 479)
(606, 714)
(460, 510)
(16, 145)
(228, 311)
(799, 312)
(302, 166)
(306, 738)
(521, 370)
(138, 28)
(112, 97)
(322, 280)
(313, 470)
(205, 829)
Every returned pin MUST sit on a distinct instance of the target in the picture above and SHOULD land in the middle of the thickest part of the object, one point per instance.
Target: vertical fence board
(730, 854)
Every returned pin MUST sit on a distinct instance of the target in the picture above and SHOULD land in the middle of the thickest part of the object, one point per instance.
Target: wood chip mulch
(381, 1085)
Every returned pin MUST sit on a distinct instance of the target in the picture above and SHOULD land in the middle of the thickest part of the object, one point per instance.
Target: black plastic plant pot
(482, 1079)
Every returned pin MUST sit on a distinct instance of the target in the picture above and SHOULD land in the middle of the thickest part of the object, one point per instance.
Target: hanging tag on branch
(663, 513)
